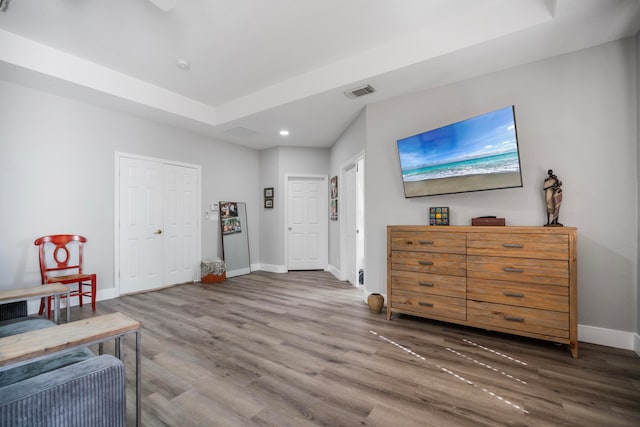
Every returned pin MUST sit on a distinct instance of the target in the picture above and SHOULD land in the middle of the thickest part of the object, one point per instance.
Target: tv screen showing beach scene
(476, 154)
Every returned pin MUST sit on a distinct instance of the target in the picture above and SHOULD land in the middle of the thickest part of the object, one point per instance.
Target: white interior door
(140, 224)
(360, 248)
(349, 205)
(352, 223)
(307, 210)
(158, 224)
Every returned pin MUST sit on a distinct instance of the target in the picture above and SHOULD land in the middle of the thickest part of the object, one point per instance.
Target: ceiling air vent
(241, 132)
(359, 91)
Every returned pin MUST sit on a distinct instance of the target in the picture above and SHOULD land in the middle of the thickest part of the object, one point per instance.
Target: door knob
(158, 232)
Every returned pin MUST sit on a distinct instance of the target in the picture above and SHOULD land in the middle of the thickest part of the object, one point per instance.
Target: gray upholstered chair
(76, 388)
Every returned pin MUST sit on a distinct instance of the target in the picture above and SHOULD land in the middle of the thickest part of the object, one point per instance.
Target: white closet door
(180, 224)
(141, 225)
(158, 224)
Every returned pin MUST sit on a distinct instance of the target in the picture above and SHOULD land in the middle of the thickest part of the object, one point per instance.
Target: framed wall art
(439, 216)
(334, 188)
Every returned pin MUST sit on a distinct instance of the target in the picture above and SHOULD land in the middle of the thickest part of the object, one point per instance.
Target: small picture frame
(268, 193)
(333, 192)
(268, 203)
(439, 215)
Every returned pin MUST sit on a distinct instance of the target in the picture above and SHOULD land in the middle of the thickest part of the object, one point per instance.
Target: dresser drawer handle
(425, 262)
(513, 245)
(513, 270)
(425, 242)
(425, 284)
(513, 294)
(513, 318)
(425, 304)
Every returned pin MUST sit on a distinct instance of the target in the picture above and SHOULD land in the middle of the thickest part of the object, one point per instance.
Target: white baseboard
(609, 337)
(337, 273)
(238, 272)
(271, 268)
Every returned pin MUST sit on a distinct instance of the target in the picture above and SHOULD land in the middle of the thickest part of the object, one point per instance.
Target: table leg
(56, 309)
(118, 349)
(68, 306)
(138, 380)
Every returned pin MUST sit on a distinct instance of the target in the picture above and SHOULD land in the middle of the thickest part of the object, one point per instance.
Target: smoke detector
(183, 64)
(359, 91)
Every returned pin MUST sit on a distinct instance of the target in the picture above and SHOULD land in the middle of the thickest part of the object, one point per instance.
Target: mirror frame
(243, 229)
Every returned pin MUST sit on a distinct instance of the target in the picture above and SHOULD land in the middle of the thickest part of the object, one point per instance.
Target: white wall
(576, 114)
(277, 163)
(57, 176)
(637, 345)
(349, 145)
(271, 219)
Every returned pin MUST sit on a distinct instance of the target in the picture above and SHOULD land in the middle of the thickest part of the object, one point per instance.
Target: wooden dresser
(518, 280)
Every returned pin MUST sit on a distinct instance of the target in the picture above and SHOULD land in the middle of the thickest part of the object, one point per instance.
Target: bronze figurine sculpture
(553, 198)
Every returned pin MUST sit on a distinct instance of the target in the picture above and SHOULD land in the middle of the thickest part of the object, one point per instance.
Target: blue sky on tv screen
(482, 136)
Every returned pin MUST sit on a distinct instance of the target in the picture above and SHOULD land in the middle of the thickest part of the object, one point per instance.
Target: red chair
(65, 266)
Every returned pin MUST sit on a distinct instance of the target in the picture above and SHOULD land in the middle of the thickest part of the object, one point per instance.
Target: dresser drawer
(546, 297)
(426, 262)
(542, 322)
(429, 305)
(522, 270)
(540, 246)
(438, 284)
(441, 242)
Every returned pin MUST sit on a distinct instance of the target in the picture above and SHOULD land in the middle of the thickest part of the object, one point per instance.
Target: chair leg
(80, 294)
(93, 292)
(41, 310)
(49, 308)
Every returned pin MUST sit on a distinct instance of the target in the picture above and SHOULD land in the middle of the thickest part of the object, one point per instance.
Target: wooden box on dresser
(518, 280)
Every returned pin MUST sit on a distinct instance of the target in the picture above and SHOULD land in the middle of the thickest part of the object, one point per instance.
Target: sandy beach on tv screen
(460, 184)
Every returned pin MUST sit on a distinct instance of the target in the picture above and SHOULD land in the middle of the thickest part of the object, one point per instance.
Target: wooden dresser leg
(573, 345)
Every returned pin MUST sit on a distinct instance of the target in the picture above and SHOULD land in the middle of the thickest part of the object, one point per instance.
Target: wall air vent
(359, 91)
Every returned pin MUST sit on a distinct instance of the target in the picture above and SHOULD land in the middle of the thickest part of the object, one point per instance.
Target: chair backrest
(62, 259)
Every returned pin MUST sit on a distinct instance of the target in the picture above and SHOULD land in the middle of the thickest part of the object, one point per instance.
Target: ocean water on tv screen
(500, 163)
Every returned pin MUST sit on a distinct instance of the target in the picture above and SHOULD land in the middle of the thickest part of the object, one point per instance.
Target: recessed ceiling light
(183, 64)
(284, 132)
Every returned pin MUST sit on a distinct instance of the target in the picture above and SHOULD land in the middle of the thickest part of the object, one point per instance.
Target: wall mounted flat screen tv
(476, 154)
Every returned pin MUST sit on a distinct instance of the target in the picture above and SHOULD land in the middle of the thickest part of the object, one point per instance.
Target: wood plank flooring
(302, 349)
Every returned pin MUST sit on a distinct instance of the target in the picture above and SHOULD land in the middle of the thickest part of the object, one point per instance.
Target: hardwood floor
(302, 349)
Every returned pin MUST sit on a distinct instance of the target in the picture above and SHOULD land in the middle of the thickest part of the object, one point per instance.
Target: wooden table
(27, 347)
(41, 291)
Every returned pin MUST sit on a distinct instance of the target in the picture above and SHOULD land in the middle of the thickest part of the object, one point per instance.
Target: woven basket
(214, 278)
(213, 272)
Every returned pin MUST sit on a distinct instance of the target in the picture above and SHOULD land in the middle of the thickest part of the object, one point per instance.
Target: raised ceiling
(258, 66)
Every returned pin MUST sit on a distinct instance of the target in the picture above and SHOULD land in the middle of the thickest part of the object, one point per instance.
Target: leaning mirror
(235, 238)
